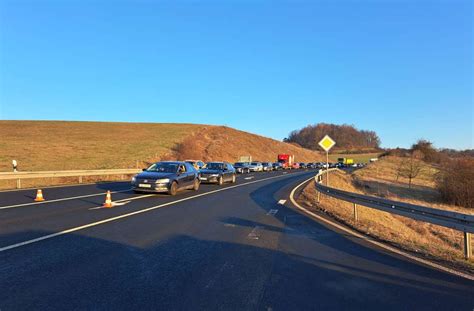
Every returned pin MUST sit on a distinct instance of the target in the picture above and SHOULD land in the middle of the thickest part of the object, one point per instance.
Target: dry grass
(227, 144)
(430, 241)
(55, 145)
(58, 145)
(386, 170)
(380, 179)
(358, 158)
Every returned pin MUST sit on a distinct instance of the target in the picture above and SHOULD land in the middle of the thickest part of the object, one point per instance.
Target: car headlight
(163, 181)
(134, 179)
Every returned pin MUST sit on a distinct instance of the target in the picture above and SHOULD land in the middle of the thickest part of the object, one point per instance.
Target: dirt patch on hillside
(222, 143)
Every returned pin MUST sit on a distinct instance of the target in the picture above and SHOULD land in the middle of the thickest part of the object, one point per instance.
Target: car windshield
(214, 166)
(163, 167)
(238, 164)
(255, 163)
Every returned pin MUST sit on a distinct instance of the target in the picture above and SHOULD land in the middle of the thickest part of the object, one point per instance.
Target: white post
(327, 168)
(356, 216)
(467, 245)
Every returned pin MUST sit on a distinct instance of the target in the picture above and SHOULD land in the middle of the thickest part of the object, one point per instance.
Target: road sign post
(467, 245)
(327, 143)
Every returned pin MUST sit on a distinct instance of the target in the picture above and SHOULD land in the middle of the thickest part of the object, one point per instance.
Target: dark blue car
(167, 177)
(218, 172)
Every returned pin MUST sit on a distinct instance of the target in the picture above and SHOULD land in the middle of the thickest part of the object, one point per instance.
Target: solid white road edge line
(60, 200)
(53, 235)
(374, 242)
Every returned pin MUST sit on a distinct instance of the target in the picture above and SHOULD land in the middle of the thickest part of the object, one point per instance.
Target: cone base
(39, 200)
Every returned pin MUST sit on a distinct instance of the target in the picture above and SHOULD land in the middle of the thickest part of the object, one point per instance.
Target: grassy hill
(63, 145)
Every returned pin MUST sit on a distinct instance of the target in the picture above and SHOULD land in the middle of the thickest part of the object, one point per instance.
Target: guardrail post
(18, 183)
(356, 216)
(467, 245)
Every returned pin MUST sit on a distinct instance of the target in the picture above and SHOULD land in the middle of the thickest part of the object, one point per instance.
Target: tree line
(346, 136)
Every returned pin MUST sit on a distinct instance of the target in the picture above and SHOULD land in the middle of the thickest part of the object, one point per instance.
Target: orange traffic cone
(39, 196)
(108, 199)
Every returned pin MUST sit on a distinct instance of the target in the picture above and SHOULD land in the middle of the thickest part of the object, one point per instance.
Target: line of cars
(173, 176)
(256, 166)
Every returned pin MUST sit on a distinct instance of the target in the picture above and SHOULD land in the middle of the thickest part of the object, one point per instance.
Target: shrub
(455, 182)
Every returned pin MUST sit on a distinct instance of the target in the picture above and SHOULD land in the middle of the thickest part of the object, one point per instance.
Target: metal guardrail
(453, 220)
(18, 176)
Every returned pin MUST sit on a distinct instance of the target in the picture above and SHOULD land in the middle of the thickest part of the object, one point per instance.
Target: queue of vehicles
(173, 176)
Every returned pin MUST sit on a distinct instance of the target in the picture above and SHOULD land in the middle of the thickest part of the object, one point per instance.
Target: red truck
(286, 160)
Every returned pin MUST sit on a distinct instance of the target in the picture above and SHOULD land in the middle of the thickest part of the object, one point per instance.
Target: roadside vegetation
(420, 175)
(433, 242)
(449, 173)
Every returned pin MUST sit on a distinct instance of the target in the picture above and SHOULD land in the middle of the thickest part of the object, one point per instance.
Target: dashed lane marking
(123, 201)
(254, 233)
(282, 202)
(272, 212)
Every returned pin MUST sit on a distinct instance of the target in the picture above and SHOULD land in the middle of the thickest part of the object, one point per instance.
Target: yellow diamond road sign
(327, 143)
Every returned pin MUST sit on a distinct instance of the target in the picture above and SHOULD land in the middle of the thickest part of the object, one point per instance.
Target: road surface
(242, 247)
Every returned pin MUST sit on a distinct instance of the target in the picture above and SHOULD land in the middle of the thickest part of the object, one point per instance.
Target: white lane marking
(272, 212)
(254, 233)
(282, 202)
(98, 207)
(247, 178)
(123, 201)
(113, 205)
(60, 200)
(53, 235)
(285, 172)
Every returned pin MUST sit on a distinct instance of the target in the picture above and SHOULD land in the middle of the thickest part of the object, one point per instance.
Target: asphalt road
(230, 248)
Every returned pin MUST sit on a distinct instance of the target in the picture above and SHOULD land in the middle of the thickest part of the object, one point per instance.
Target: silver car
(267, 166)
(256, 167)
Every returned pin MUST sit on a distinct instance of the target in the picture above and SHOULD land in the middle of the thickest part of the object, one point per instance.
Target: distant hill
(64, 145)
(347, 137)
(224, 143)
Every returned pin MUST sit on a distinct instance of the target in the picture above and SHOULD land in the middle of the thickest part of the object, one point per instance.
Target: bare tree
(410, 168)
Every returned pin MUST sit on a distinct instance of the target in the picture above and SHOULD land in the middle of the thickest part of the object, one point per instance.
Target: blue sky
(400, 68)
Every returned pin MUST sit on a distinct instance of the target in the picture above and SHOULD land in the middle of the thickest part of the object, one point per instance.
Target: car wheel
(173, 189)
(196, 185)
(233, 179)
(220, 181)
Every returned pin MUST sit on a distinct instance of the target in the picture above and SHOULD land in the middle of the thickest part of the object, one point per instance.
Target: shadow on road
(182, 272)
